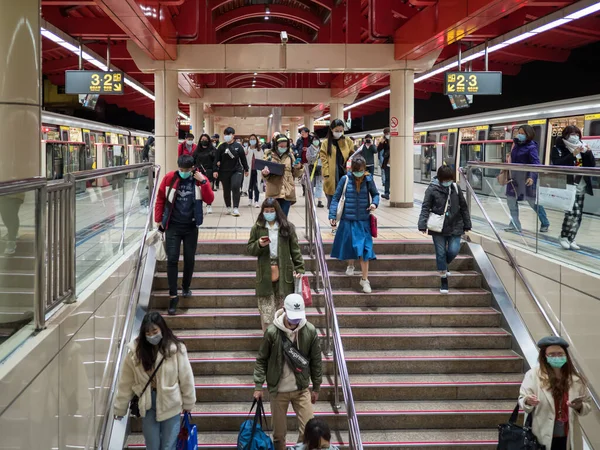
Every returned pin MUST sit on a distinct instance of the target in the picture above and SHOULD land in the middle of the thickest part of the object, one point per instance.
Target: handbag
(134, 404)
(341, 202)
(435, 222)
(373, 223)
(556, 198)
(514, 437)
(297, 360)
(303, 288)
(252, 435)
(188, 434)
(161, 251)
(504, 175)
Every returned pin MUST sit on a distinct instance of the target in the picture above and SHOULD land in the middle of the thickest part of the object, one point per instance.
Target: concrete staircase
(427, 370)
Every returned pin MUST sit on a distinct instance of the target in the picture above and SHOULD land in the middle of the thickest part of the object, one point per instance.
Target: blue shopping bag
(188, 434)
(252, 436)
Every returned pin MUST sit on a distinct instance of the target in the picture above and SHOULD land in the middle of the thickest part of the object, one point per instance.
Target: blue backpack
(252, 436)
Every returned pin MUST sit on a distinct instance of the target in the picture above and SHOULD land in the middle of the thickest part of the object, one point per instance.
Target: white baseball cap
(294, 307)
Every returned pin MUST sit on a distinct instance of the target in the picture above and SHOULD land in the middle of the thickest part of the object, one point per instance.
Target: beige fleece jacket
(288, 379)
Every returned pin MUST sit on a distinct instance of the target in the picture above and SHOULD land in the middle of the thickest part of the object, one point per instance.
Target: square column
(166, 129)
(197, 118)
(210, 125)
(294, 131)
(337, 111)
(20, 110)
(402, 86)
(309, 122)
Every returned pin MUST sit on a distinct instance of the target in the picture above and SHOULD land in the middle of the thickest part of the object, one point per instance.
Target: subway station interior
(357, 125)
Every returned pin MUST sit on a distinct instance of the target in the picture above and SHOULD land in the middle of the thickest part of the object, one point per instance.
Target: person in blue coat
(522, 184)
(353, 238)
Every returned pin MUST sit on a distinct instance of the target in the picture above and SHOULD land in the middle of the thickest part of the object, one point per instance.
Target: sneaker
(333, 230)
(208, 209)
(350, 271)
(564, 243)
(244, 194)
(256, 205)
(574, 246)
(11, 248)
(444, 285)
(387, 197)
(228, 210)
(366, 286)
(186, 293)
(544, 229)
(235, 213)
(511, 229)
(173, 306)
(447, 274)
(320, 205)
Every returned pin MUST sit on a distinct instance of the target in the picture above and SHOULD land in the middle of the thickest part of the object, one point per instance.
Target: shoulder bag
(297, 360)
(134, 405)
(435, 222)
(342, 202)
(514, 437)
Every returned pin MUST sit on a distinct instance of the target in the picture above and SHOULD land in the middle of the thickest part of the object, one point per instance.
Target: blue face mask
(185, 175)
(556, 361)
(446, 183)
(281, 150)
(358, 174)
(270, 216)
(521, 137)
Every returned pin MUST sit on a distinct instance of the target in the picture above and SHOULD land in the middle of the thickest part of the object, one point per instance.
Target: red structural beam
(258, 11)
(346, 84)
(254, 28)
(88, 28)
(446, 22)
(215, 4)
(536, 53)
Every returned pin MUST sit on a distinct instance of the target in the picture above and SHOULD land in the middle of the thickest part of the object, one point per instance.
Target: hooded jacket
(457, 220)
(175, 390)
(270, 360)
(523, 153)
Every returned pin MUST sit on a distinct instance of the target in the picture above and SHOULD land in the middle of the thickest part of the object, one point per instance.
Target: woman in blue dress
(353, 239)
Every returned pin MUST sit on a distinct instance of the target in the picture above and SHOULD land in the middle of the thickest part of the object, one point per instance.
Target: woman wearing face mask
(317, 436)
(170, 391)
(335, 151)
(557, 396)
(231, 167)
(246, 182)
(312, 157)
(274, 241)
(353, 239)
(204, 158)
(522, 185)
(569, 150)
(282, 187)
(187, 147)
(255, 152)
(445, 198)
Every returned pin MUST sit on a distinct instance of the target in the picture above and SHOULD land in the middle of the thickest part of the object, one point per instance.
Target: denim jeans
(446, 249)
(175, 235)
(160, 435)
(285, 205)
(386, 183)
(513, 207)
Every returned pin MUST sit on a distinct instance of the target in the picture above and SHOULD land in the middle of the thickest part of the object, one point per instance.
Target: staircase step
(339, 280)
(19, 279)
(476, 439)
(239, 388)
(249, 318)
(415, 415)
(246, 298)
(375, 362)
(24, 263)
(384, 262)
(360, 338)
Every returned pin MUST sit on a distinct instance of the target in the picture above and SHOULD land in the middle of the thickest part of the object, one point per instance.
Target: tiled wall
(571, 298)
(53, 389)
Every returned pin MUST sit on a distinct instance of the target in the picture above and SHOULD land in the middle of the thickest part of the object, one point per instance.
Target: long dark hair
(210, 144)
(257, 141)
(335, 123)
(145, 351)
(285, 228)
(315, 430)
(558, 386)
(569, 130)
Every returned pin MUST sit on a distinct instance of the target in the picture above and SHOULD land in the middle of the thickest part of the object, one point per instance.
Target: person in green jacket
(274, 241)
(287, 382)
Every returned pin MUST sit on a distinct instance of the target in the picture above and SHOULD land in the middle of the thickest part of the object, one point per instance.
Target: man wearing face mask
(187, 147)
(288, 377)
(383, 149)
(231, 167)
(179, 213)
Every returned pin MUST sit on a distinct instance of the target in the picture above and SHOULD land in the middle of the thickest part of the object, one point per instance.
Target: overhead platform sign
(94, 82)
(473, 83)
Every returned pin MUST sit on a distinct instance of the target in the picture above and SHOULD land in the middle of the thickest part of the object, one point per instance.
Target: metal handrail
(537, 168)
(513, 263)
(85, 175)
(315, 240)
(18, 186)
(128, 324)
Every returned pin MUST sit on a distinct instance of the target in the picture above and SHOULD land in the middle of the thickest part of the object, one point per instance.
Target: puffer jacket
(458, 219)
(357, 202)
(523, 153)
(282, 186)
(270, 359)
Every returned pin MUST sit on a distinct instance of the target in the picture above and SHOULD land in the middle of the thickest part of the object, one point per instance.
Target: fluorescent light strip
(183, 115)
(584, 12)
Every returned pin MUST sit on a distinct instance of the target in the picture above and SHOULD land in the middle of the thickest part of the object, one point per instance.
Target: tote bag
(342, 202)
(556, 198)
(252, 435)
(514, 437)
(435, 222)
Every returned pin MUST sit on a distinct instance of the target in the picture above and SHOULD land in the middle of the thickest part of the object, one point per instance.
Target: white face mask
(387, 136)
(252, 141)
(228, 137)
(189, 143)
(338, 134)
(573, 139)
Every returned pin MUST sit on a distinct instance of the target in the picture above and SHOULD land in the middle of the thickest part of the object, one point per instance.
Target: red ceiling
(312, 21)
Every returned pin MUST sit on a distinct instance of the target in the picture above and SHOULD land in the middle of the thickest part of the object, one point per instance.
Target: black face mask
(368, 141)
(204, 143)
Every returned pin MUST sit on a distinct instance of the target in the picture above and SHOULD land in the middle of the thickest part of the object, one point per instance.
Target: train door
(54, 161)
(418, 138)
(591, 137)
(557, 125)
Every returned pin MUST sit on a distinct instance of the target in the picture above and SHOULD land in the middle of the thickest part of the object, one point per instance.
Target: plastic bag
(188, 434)
(303, 288)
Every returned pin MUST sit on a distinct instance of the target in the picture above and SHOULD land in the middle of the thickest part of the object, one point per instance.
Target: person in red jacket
(179, 214)
(187, 147)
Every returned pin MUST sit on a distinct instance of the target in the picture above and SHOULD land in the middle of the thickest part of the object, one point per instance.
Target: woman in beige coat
(169, 393)
(282, 187)
(335, 151)
(556, 395)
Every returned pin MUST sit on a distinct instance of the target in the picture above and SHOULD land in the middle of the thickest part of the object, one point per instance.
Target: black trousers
(559, 443)
(175, 235)
(232, 185)
(253, 192)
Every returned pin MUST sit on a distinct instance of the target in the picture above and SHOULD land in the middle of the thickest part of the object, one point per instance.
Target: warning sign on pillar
(394, 126)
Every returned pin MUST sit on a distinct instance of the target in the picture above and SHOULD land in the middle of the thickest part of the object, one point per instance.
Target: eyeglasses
(556, 354)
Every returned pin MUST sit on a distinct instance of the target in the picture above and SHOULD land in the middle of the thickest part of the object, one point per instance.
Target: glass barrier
(554, 214)
(110, 215)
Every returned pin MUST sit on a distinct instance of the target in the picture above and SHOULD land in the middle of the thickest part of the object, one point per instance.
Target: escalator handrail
(513, 263)
(91, 174)
(133, 298)
(537, 168)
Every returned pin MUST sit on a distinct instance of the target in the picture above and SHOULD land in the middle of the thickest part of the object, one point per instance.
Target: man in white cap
(288, 359)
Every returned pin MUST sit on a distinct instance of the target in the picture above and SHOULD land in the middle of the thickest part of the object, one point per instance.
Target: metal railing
(511, 259)
(340, 370)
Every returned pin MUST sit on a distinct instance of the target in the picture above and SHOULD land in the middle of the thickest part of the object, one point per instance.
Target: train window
(594, 128)
(481, 135)
(451, 144)
(472, 152)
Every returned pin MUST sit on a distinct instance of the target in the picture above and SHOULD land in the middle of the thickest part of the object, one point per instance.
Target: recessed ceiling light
(266, 17)
(267, 10)
(249, 106)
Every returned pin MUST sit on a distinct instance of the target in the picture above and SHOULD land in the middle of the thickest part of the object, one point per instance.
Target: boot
(173, 306)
